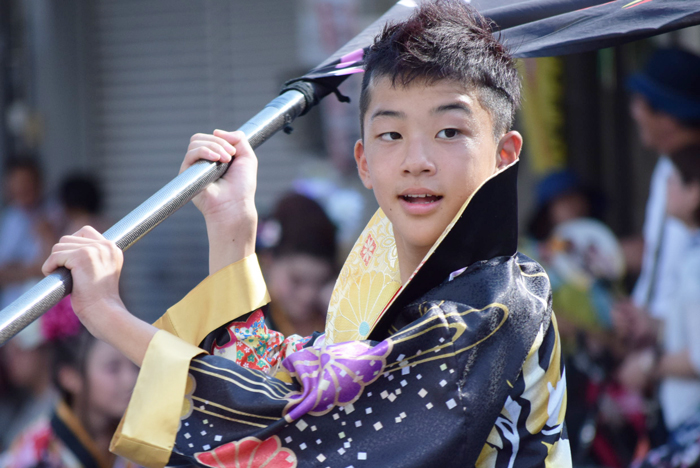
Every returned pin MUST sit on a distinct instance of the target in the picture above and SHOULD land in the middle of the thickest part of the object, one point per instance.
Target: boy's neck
(409, 259)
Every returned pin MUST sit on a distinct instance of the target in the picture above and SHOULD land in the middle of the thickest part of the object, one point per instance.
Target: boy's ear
(509, 147)
(362, 167)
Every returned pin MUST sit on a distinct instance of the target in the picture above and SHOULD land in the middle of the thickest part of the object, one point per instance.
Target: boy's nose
(417, 159)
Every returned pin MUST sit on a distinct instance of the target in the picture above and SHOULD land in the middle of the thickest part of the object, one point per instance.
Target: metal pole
(49, 291)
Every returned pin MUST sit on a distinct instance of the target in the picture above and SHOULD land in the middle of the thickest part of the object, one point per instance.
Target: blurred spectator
(677, 363)
(585, 264)
(298, 253)
(561, 197)
(81, 203)
(666, 107)
(25, 234)
(28, 394)
(95, 383)
(581, 255)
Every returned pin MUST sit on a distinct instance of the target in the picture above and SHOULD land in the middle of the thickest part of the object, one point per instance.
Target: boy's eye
(448, 133)
(390, 136)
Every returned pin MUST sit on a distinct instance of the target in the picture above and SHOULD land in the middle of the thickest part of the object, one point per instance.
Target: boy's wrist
(112, 323)
(230, 241)
(102, 316)
(231, 214)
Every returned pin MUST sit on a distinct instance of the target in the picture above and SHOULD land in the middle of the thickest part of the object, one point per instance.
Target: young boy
(440, 348)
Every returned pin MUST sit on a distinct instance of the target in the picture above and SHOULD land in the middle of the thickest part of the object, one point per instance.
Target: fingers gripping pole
(49, 291)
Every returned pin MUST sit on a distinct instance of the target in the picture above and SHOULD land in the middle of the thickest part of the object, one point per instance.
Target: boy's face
(425, 150)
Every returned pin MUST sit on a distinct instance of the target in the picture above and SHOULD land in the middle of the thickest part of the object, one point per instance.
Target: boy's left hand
(95, 264)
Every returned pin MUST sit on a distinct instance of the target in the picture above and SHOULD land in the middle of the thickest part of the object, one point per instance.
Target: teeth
(416, 196)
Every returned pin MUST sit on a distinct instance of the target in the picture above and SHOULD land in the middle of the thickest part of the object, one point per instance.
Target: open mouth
(422, 199)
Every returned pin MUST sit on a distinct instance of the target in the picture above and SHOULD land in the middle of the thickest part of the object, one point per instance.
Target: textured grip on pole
(33, 303)
(48, 292)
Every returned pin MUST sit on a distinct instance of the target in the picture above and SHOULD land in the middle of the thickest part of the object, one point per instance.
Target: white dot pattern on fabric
(301, 425)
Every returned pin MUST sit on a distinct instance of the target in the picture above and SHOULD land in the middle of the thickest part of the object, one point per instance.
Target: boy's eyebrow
(452, 106)
(388, 113)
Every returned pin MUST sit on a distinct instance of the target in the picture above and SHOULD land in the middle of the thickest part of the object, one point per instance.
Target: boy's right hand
(228, 205)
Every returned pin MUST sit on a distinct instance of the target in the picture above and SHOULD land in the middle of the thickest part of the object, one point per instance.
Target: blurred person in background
(81, 205)
(298, 255)
(579, 252)
(28, 393)
(95, 383)
(560, 197)
(25, 234)
(666, 108)
(675, 363)
(586, 265)
(26, 360)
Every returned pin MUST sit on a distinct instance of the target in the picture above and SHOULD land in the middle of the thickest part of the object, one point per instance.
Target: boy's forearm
(230, 240)
(113, 324)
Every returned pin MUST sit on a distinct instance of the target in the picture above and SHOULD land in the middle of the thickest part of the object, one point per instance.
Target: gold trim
(228, 294)
(240, 384)
(147, 432)
(272, 383)
(226, 408)
(210, 413)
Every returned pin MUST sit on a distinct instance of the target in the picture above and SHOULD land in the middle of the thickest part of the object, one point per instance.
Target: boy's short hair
(446, 40)
(687, 161)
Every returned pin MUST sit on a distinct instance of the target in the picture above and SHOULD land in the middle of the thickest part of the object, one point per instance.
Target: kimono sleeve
(147, 431)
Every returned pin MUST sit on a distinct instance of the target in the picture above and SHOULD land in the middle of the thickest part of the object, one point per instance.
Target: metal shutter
(161, 70)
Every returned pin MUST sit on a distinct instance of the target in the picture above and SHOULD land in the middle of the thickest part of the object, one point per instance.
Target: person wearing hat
(665, 105)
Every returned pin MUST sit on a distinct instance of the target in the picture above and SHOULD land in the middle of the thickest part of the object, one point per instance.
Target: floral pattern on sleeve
(253, 345)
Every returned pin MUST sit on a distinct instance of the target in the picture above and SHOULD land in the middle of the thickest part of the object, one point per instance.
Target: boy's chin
(421, 242)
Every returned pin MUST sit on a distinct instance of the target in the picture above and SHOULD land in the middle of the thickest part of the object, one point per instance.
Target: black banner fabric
(538, 28)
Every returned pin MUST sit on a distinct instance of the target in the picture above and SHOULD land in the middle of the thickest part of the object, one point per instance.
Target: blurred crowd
(627, 309)
(62, 392)
(55, 379)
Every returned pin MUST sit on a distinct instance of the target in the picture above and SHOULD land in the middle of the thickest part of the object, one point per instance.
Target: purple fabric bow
(334, 375)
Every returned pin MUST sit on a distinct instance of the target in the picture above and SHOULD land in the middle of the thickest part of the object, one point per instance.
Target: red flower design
(249, 453)
(368, 249)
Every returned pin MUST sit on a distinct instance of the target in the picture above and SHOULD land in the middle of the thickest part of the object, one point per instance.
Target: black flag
(535, 28)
